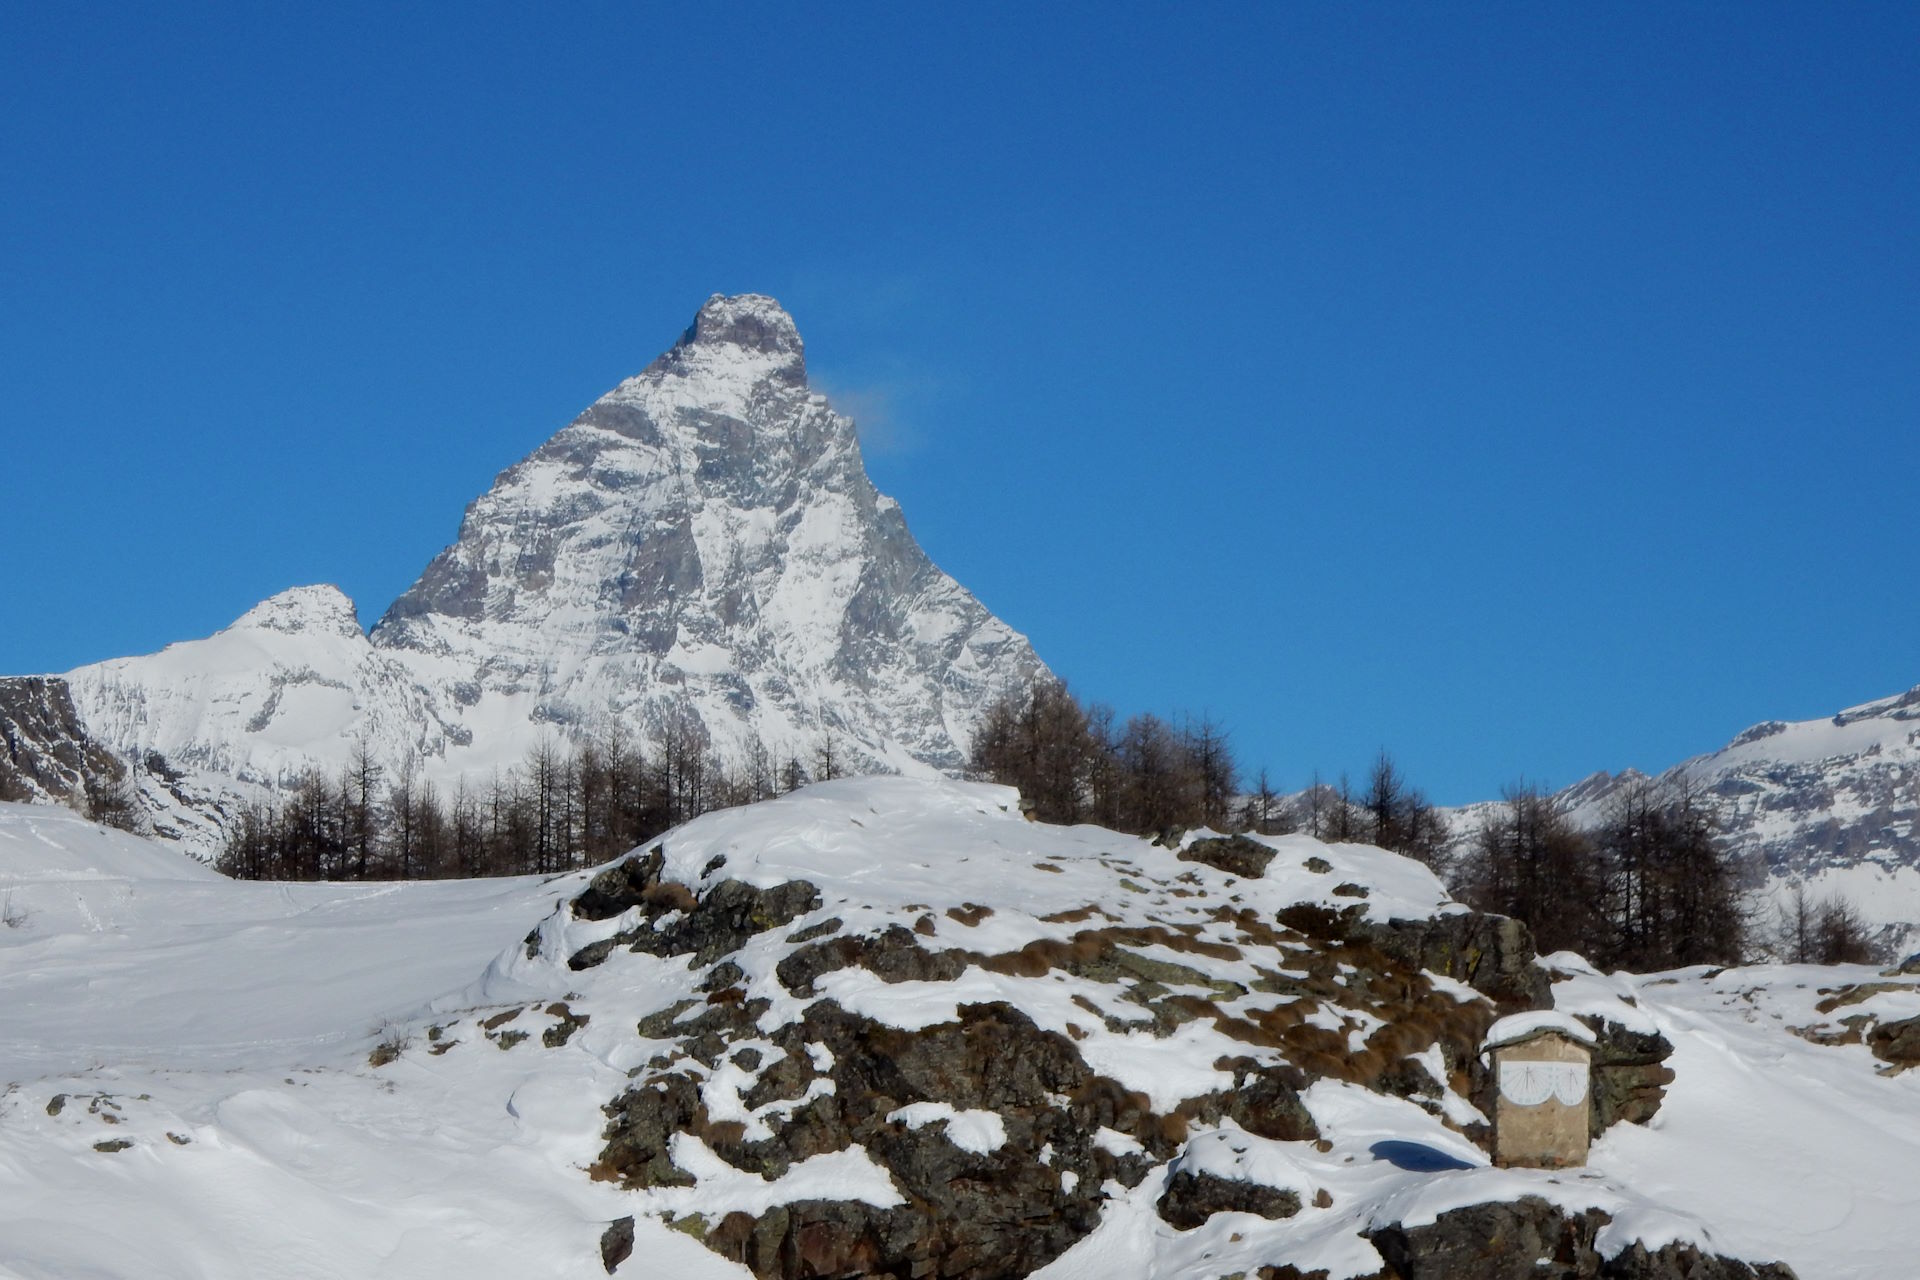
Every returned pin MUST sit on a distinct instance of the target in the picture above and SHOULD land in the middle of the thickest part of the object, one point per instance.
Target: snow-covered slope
(291, 686)
(1183, 1063)
(703, 541)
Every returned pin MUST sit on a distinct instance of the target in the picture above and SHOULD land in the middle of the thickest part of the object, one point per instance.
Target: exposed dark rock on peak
(749, 320)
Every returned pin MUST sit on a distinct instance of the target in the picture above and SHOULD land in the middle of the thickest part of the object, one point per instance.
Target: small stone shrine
(1540, 1064)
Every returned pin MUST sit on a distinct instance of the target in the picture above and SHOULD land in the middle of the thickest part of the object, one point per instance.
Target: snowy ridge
(1833, 805)
(192, 1060)
(702, 541)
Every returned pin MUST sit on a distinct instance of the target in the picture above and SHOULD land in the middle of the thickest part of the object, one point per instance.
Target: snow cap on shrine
(1525, 1026)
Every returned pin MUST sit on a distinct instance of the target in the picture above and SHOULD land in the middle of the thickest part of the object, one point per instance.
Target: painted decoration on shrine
(1529, 1084)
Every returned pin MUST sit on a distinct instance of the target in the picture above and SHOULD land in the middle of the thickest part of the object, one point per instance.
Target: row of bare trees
(1073, 763)
(562, 807)
(1828, 930)
(1651, 887)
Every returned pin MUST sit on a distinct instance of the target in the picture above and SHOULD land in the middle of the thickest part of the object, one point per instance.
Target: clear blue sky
(1529, 389)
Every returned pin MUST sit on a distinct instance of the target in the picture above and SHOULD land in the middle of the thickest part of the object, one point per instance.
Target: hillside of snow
(882, 1019)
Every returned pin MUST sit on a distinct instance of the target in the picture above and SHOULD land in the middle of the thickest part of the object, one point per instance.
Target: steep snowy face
(286, 688)
(705, 537)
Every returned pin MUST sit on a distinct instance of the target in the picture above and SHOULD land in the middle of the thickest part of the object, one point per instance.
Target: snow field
(224, 1031)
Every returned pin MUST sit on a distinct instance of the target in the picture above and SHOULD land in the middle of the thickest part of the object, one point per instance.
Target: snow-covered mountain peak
(703, 541)
(317, 610)
(743, 339)
(705, 537)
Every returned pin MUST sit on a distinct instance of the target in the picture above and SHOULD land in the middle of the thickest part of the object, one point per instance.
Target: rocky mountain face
(701, 547)
(705, 534)
(47, 756)
(1822, 794)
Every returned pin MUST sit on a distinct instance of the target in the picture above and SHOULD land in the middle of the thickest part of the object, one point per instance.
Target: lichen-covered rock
(969, 1213)
(1235, 855)
(677, 921)
(894, 955)
(1896, 1042)
(1530, 1239)
(1264, 1100)
(1686, 1262)
(621, 886)
(1535, 1240)
(1193, 1197)
(1629, 1074)
(1492, 954)
(1522, 1240)
(640, 1132)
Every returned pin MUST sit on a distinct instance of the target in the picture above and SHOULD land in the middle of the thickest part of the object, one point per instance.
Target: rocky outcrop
(1492, 954)
(969, 1214)
(616, 1244)
(1235, 855)
(1897, 1042)
(894, 954)
(1629, 1074)
(1530, 1239)
(678, 923)
(1193, 1197)
(961, 1082)
(46, 754)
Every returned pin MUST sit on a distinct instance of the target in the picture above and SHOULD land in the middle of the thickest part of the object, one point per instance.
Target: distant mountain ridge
(703, 541)
(1833, 803)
